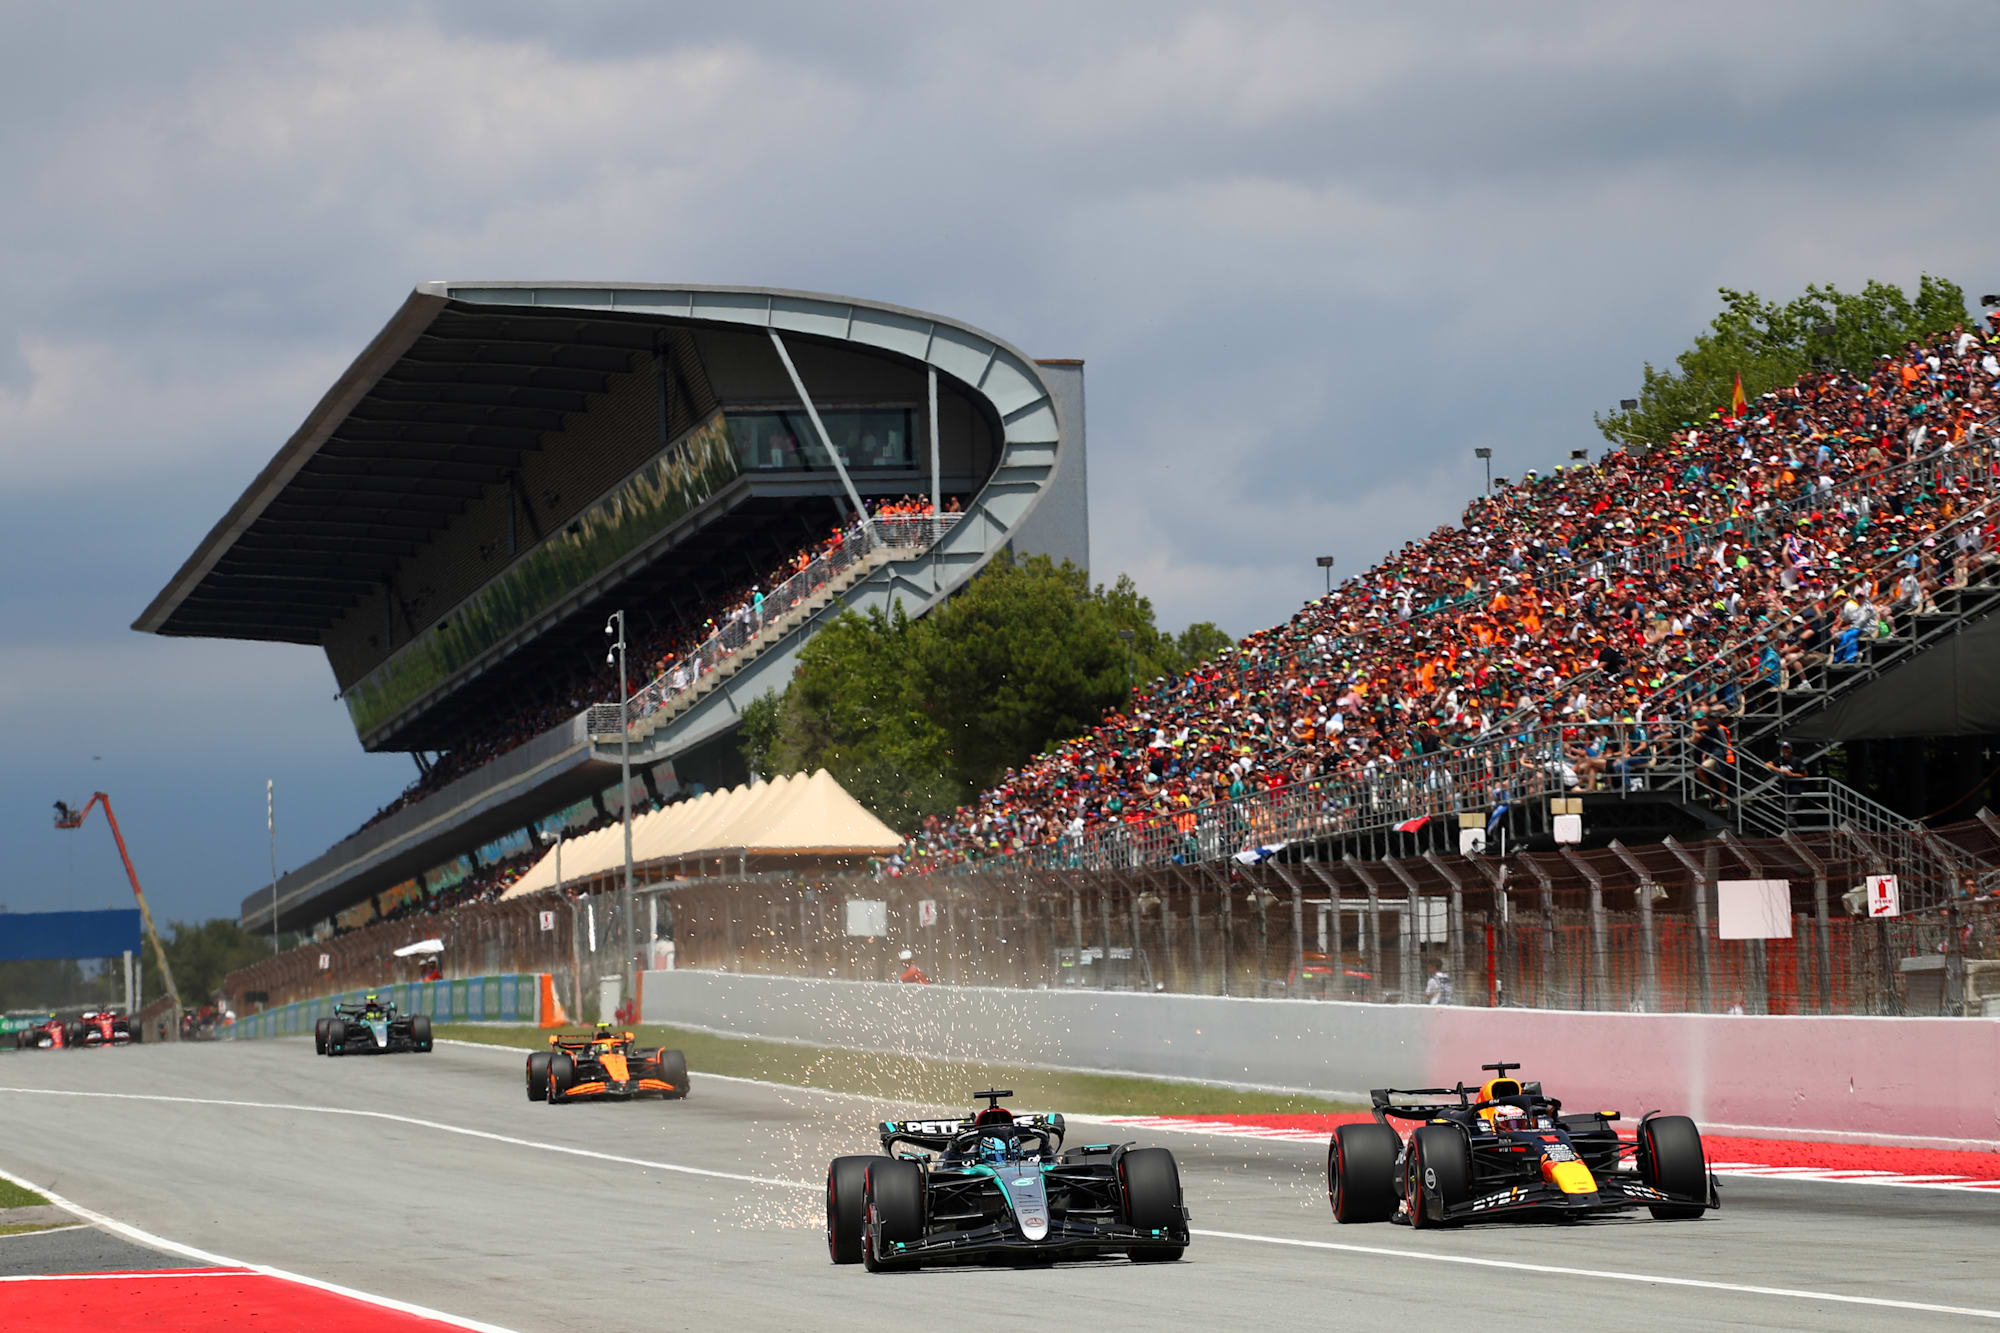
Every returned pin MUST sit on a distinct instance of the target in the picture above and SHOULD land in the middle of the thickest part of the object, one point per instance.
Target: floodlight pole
(625, 907)
(271, 827)
(74, 819)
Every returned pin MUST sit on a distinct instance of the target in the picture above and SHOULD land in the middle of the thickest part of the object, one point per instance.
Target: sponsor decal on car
(1499, 1200)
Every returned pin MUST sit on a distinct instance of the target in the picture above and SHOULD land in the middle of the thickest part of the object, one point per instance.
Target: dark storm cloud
(1313, 255)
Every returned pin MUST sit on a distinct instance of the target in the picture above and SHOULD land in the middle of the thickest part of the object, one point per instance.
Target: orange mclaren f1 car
(604, 1064)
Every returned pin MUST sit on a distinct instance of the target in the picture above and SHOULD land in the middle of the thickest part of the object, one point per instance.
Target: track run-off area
(432, 1183)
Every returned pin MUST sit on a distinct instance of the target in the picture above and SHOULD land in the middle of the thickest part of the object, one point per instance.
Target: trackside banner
(510, 997)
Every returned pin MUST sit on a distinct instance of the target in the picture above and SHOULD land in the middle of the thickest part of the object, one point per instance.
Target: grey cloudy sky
(1313, 255)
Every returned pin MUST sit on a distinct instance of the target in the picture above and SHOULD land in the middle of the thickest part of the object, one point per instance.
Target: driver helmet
(993, 1148)
(371, 1001)
(1509, 1117)
(604, 1032)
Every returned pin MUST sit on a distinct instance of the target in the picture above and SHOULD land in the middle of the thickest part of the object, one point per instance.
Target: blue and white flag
(1251, 856)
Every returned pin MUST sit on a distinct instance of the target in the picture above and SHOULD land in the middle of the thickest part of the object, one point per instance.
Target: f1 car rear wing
(938, 1135)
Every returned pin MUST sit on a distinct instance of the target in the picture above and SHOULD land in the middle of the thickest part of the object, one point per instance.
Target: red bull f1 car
(998, 1187)
(604, 1065)
(1504, 1149)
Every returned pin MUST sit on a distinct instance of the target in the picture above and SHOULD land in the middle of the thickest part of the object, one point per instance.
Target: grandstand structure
(507, 463)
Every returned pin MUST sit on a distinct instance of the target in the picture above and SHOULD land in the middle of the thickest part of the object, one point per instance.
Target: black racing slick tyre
(562, 1073)
(319, 1036)
(1438, 1169)
(1150, 1184)
(894, 1191)
(1671, 1160)
(1361, 1173)
(674, 1070)
(420, 1032)
(336, 1036)
(538, 1076)
(847, 1207)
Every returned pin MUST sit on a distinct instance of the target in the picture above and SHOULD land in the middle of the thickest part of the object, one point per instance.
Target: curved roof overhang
(463, 381)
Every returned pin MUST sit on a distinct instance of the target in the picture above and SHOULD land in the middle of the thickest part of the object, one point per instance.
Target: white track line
(138, 1275)
(1609, 1275)
(151, 1241)
(1788, 1293)
(565, 1149)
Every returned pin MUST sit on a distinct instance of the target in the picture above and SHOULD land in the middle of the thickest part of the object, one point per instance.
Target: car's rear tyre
(894, 1191)
(319, 1036)
(674, 1070)
(420, 1032)
(336, 1037)
(562, 1073)
(538, 1076)
(847, 1207)
(1438, 1168)
(1671, 1160)
(1361, 1173)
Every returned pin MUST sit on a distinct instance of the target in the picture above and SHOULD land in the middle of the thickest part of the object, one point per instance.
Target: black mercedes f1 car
(371, 1028)
(999, 1187)
(1505, 1149)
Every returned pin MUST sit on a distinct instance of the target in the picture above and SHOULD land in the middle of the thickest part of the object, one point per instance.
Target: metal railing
(905, 534)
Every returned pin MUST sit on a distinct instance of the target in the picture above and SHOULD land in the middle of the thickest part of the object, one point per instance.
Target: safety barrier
(511, 997)
(1890, 1079)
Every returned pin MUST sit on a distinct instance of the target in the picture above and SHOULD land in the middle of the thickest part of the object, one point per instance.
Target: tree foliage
(202, 954)
(1771, 345)
(915, 716)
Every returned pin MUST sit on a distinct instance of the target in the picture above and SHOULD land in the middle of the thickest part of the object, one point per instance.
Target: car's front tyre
(894, 1194)
(1438, 1167)
(1672, 1161)
(1150, 1183)
(847, 1207)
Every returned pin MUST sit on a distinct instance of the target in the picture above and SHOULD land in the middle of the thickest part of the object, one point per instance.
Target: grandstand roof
(463, 381)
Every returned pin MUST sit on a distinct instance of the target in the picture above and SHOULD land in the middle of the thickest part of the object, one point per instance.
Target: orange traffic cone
(551, 1008)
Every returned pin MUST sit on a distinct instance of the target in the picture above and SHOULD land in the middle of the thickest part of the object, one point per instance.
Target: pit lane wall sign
(1884, 896)
(512, 997)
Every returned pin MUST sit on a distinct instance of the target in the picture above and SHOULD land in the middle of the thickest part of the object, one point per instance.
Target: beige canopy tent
(789, 821)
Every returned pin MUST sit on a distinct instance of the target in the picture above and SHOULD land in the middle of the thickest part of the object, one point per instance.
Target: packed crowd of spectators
(664, 658)
(1650, 587)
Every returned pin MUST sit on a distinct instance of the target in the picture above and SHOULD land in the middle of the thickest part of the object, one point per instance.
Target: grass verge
(13, 1196)
(945, 1083)
(25, 1228)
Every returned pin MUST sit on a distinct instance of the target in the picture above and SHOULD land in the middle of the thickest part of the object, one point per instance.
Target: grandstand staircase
(800, 617)
(1770, 714)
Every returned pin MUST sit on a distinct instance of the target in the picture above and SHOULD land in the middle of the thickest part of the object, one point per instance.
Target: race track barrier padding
(512, 997)
(1886, 1079)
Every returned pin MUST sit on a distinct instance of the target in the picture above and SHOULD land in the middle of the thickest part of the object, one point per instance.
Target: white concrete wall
(1928, 1080)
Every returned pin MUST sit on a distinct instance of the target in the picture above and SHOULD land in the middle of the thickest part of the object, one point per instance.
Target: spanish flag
(1737, 402)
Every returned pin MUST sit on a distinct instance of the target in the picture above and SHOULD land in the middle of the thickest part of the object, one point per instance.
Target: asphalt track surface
(432, 1180)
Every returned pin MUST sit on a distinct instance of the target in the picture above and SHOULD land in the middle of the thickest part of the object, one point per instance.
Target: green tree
(914, 717)
(202, 954)
(1771, 345)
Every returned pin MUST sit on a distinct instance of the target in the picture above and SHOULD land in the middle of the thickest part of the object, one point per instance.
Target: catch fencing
(1616, 928)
